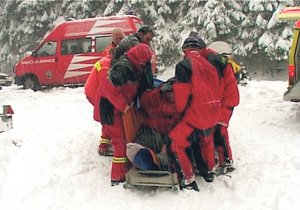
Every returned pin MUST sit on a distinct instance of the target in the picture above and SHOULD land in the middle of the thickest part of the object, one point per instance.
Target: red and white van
(67, 54)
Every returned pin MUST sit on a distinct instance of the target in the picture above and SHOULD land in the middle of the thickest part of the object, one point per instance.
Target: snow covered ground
(49, 159)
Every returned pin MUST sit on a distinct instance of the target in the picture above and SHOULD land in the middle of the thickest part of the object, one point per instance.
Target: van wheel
(31, 82)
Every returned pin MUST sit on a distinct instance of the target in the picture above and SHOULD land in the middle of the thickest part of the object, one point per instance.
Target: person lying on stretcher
(160, 118)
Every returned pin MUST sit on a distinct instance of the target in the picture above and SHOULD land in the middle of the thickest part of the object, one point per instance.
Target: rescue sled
(151, 178)
(132, 121)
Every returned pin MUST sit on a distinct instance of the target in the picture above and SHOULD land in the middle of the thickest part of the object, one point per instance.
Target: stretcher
(151, 178)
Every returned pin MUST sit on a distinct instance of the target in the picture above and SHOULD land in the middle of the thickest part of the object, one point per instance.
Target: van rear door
(293, 93)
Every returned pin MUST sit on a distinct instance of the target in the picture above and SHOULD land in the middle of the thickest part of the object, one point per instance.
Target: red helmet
(139, 55)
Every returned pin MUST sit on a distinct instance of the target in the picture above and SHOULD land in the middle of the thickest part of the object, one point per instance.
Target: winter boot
(192, 186)
(119, 168)
(228, 166)
(105, 148)
(228, 162)
(208, 176)
(189, 184)
(115, 183)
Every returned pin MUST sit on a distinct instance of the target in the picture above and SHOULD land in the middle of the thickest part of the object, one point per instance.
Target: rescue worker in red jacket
(92, 84)
(91, 88)
(117, 36)
(229, 99)
(196, 95)
(110, 104)
(216, 59)
(121, 91)
(142, 68)
(229, 94)
(145, 34)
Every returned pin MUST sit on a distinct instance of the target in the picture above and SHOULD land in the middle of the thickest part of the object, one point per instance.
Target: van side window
(102, 43)
(47, 49)
(76, 46)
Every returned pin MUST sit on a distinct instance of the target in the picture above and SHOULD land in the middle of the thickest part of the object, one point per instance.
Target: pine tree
(24, 23)
(167, 31)
(258, 32)
(250, 27)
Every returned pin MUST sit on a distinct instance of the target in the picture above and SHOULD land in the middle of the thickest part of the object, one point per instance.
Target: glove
(172, 80)
(166, 87)
(218, 61)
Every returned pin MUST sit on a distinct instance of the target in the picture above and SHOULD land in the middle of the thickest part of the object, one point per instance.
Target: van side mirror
(34, 53)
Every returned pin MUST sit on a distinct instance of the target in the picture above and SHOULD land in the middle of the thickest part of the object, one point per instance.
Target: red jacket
(197, 92)
(107, 90)
(205, 52)
(132, 73)
(92, 83)
(161, 114)
(109, 48)
(229, 94)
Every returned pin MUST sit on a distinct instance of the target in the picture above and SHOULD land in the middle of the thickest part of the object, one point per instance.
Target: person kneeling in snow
(196, 94)
(229, 99)
(229, 93)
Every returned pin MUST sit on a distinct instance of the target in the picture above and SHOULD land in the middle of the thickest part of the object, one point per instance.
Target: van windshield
(47, 49)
